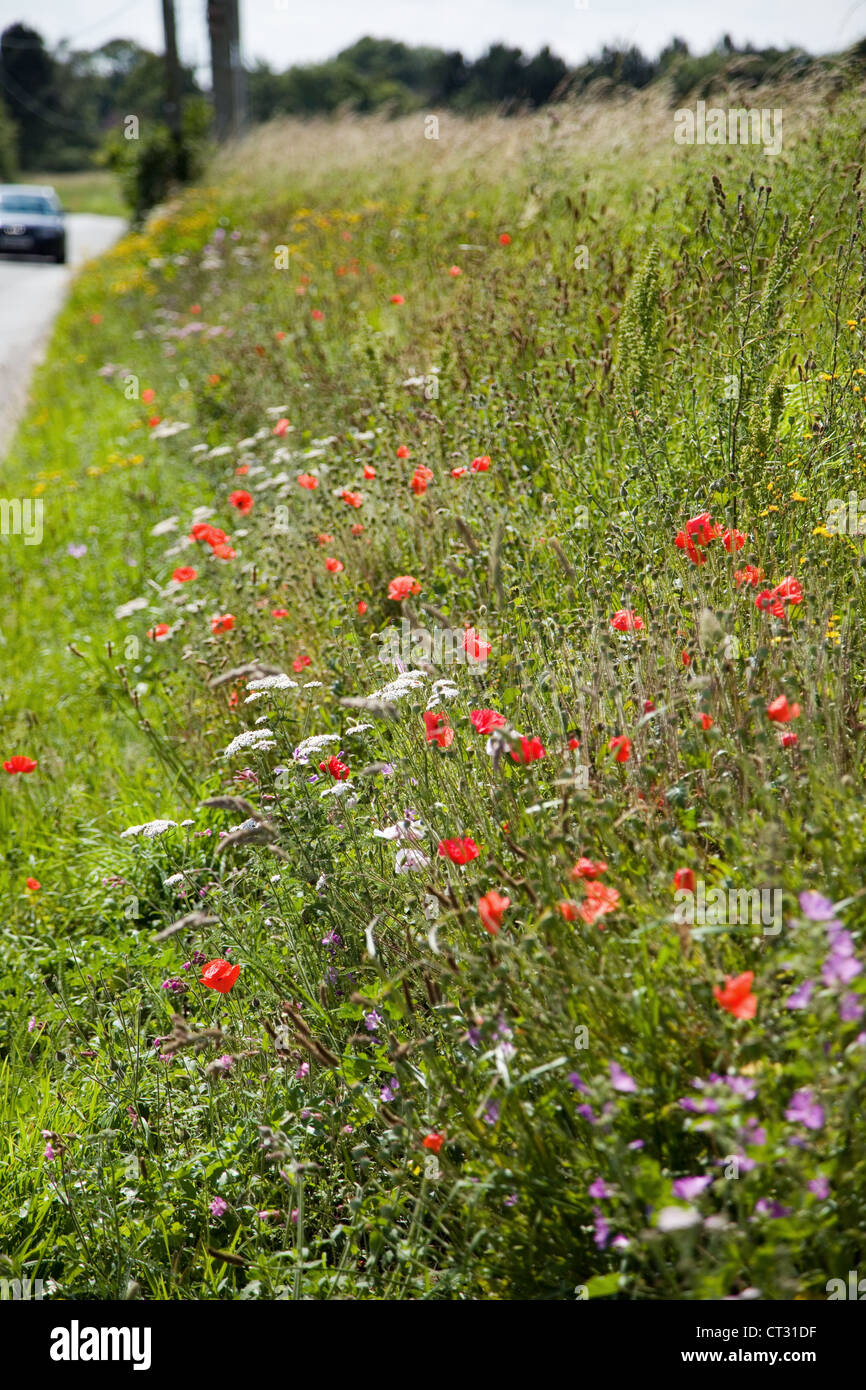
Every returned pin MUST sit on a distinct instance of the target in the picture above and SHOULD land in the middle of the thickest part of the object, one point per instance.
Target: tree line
(59, 108)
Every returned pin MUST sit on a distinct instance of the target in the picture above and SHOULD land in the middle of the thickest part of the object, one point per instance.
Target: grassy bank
(478, 1046)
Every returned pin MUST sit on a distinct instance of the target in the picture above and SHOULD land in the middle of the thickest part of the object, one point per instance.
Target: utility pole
(173, 90)
(229, 78)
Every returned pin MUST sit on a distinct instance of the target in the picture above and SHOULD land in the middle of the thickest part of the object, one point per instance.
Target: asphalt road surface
(32, 290)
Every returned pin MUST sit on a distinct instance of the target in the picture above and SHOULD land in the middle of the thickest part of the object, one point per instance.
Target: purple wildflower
(800, 998)
(803, 1109)
(815, 906)
(620, 1080)
(690, 1188)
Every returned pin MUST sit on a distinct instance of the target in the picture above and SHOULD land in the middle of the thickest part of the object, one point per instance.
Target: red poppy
(600, 899)
(402, 451)
(434, 1142)
(474, 647)
(148, 395)
(649, 706)
(154, 421)
(685, 657)
(420, 478)
(621, 746)
(300, 662)
(223, 551)
(242, 500)
(481, 464)
(369, 470)
(351, 499)
(790, 590)
(459, 472)
(20, 763)
(161, 630)
(220, 975)
(195, 309)
(573, 743)
(484, 721)
(788, 739)
(626, 620)
(706, 721)
(357, 528)
(455, 271)
(33, 885)
(531, 749)
(733, 540)
(334, 565)
(362, 607)
(768, 601)
(317, 315)
(699, 531)
(279, 612)
(323, 538)
(685, 879)
(567, 909)
(588, 868)
(339, 771)
(402, 586)
(750, 574)
(491, 909)
(211, 535)
(397, 299)
(184, 574)
(737, 996)
(504, 239)
(308, 481)
(458, 851)
(224, 623)
(781, 712)
(438, 729)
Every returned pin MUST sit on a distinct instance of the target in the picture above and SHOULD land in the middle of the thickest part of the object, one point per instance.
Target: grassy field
(95, 190)
(443, 664)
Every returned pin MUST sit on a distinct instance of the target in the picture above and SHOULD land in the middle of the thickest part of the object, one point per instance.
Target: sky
(296, 31)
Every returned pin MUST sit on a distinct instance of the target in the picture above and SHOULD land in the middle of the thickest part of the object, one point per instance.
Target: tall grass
(402, 1095)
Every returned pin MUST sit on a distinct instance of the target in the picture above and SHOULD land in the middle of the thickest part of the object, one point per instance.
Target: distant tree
(542, 75)
(8, 146)
(28, 81)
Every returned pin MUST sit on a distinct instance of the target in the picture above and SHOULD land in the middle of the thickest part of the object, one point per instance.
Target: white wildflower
(409, 861)
(127, 609)
(280, 682)
(313, 745)
(162, 528)
(257, 739)
(149, 830)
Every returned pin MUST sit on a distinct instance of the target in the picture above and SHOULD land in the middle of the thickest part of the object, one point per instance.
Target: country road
(31, 293)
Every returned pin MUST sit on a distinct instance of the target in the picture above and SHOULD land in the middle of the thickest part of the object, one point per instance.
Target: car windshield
(23, 202)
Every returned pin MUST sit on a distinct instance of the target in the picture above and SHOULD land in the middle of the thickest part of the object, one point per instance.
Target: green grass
(92, 190)
(707, 358)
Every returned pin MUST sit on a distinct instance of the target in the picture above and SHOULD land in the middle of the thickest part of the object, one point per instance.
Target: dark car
(31, 221)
